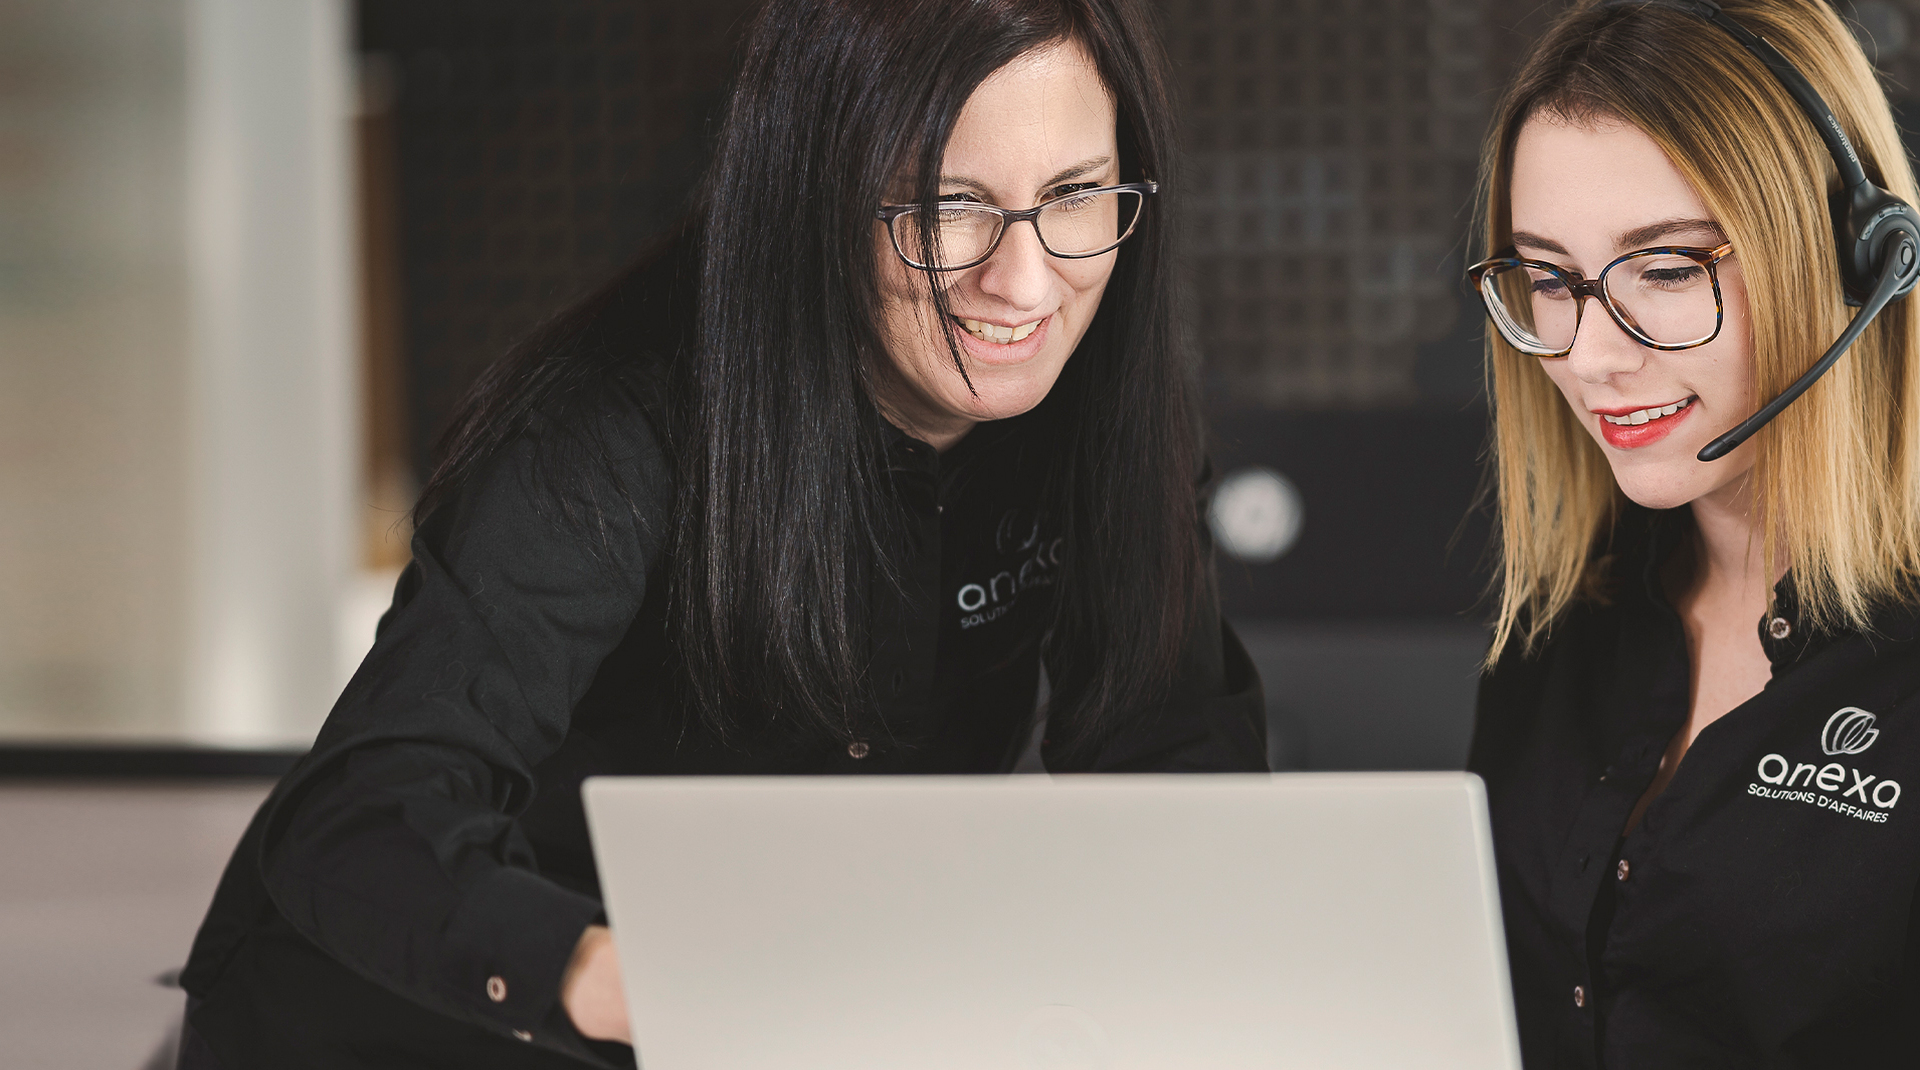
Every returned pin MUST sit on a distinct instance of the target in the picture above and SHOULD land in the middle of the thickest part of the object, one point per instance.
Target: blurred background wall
(253, 251)
(176, 381)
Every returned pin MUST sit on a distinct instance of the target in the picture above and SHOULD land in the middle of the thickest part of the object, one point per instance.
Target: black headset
(1876, 234)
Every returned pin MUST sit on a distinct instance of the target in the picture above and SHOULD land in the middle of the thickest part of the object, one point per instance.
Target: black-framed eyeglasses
(1666, 297)
(965, 233)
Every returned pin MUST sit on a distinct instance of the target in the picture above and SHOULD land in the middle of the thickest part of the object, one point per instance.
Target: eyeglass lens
(1080, 224)
(1665, 298)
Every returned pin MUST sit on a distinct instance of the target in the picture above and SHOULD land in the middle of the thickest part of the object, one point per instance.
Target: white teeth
(992, 332)
(1643, 415)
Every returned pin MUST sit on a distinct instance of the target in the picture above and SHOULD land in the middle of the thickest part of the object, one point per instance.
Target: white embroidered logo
(984, 603)
(1849, 731)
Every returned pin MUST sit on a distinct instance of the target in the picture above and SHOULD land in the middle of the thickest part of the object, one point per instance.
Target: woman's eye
(1072, 199)
(1063, 192)
(1549, 286)
(1680, 275)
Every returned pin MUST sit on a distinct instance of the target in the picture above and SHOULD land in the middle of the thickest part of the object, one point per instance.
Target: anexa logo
(1849, 731)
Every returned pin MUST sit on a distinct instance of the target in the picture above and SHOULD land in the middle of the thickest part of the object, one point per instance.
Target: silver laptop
(1081, 923)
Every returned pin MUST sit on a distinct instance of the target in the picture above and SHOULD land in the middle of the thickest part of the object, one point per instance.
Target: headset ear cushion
(1865, 226)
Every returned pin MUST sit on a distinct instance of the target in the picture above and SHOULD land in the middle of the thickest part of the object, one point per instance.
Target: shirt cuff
(510, 941)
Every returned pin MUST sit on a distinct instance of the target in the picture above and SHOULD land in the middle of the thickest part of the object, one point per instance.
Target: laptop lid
(1139, 922)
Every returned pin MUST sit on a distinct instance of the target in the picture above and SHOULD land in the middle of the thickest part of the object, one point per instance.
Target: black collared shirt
(1762, 914)
(411, 893)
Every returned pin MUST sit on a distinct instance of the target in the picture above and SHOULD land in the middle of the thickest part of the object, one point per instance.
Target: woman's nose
(1601, 349)
(1019, 271)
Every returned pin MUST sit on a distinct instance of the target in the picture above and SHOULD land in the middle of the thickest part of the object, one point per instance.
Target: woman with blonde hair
(1703, 696)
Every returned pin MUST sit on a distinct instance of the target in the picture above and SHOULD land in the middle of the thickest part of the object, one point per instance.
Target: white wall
(271, 402)
(176, 367)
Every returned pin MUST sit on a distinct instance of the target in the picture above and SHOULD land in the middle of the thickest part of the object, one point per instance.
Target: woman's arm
(394, 847)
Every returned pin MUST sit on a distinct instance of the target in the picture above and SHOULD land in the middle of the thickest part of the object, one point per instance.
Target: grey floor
(101, 889)
(102, 886)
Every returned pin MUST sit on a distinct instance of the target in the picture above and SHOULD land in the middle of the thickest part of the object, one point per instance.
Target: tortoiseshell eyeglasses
(1667, 298)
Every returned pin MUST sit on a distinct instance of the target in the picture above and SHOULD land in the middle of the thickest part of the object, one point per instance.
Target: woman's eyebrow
(1640, 237)
(1086, 166)
(1535, 241)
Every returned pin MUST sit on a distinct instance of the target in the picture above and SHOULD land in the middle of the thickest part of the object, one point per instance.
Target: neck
(907, 409)
(942, 435)
(1731, 547)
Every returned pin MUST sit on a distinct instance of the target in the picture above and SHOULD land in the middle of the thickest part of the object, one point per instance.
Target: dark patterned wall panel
(1331, 152)
(540, 146)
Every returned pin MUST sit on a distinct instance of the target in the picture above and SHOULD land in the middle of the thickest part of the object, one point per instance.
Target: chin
(1663, 490)
(986, 411)
(1003, 400)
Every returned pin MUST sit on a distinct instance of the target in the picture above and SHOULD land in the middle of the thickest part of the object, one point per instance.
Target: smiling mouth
(1641, 416)
(992, 332)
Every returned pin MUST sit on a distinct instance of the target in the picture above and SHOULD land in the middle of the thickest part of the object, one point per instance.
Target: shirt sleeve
(394, 846)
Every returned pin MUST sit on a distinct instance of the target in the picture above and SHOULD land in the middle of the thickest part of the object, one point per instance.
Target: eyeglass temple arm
(1901, 261)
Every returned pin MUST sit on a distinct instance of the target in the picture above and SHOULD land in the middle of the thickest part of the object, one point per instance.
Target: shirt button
(899, 680)
(1579, 996)
(1779, 628)
(521, 1034)
(857, 749)
(497, 989)
(1622, 870)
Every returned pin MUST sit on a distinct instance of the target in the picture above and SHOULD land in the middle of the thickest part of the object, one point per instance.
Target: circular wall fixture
(1256, 515)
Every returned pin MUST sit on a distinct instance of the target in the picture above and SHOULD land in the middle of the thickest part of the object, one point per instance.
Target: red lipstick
(1635, 436)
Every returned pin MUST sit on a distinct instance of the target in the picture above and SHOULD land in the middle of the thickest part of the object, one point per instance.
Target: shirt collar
(1653, 536)
(1783, 634)
(909, 454)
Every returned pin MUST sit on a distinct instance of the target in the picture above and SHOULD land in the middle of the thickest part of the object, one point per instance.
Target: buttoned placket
(1667, 704)
(1652, 681)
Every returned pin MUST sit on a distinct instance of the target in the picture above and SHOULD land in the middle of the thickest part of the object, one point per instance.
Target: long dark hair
(783, 505)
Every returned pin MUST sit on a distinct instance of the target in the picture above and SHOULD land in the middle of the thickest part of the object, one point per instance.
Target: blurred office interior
(253, 251)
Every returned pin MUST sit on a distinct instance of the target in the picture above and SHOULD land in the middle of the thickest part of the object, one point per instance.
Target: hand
(591, 992)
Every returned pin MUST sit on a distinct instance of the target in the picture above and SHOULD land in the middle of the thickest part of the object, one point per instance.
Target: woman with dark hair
(897, 420)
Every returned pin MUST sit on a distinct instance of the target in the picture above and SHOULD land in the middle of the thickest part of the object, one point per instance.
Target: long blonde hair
(1837, 475)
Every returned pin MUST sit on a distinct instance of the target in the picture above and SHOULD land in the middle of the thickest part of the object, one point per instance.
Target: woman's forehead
(1045, 114)
(1598, 185)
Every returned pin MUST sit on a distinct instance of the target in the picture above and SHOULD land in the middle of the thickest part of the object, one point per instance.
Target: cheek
(1087, 279)
(1729, 374)
(1085, 283)
(1563, 379)
(906, 311)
